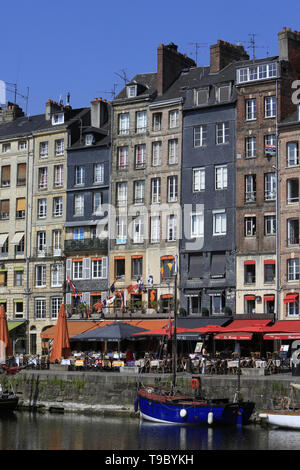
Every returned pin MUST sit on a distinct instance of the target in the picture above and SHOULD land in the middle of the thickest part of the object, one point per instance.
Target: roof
(146, 80)
(283, 329)
(186, 322)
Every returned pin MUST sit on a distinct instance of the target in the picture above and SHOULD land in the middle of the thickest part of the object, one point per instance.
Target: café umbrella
(61, 344)
(4, 336)
(116, 331)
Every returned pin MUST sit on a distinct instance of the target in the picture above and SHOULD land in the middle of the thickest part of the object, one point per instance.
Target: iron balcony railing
(86, 244)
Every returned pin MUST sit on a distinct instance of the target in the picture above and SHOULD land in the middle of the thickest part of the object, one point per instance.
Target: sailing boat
(8, 399)
(169, 406)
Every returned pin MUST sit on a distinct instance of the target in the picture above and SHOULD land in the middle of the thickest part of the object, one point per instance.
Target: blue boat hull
(207, 413)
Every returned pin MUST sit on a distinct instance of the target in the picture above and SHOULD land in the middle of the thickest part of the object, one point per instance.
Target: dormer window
(58, 118)
(223, 93)
(89, 139)
(131, 91)
(201, 96)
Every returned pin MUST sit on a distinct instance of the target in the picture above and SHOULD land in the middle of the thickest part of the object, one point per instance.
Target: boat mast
(174, 362)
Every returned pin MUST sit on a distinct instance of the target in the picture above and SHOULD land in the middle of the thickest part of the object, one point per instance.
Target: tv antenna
(197, 46)
(252, 45)
(16, 93)
(123, 76)
(112, 92)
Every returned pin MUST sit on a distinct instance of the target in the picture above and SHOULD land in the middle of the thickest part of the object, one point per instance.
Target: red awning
(249, 262)
(283, 329)
(269, 297)
(250, 297)
(234, 336)
(249, 326)
(290, 298)
(272, 336)
(269, 261)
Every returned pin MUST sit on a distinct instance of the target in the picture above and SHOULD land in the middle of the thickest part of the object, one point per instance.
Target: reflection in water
(34, 431)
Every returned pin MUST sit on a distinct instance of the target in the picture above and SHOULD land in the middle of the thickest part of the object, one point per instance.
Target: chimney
(99, 113)
(289, 46)
(170, 62)
(51, 108)
(11, 112)
(223, 53)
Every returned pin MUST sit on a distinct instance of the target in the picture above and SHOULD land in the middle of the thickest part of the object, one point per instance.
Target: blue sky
(82, 47)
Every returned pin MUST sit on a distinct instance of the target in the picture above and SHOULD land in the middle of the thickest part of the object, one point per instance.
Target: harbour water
(36, 431)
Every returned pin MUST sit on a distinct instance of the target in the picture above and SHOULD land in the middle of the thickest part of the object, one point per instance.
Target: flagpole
(175, 333)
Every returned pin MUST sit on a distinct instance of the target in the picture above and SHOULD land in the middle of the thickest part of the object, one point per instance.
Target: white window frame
(56, 275)
(59, 147)
(172, 188)
(292, 154)
(250, 226)
(173, 119)
(139, 192)
(40, 310)
(58, 175)
(40, 275)
(270, 186)
(55, 306)
(42, 208)
(57, 206)
(251, 109)
(124, 124)
(141, 122)
(219, 223)
(222, 133)
(121, 192)
(79, 175)
(78, 205)
(97, 203)
(251, 147)
(121, 226)
(98, 173)
(155, 229)
(77, 269)
(138, 229)
(198, 179)
(200, 135)
(123, 157)
(156, 153)
(221, 177)
(173, 151)
(155, 190)
(44, 149)
(197, 224)
(58, 118)
(270, 106)
(293, 270)
(172, 228)
(270, 225)
(43, 178)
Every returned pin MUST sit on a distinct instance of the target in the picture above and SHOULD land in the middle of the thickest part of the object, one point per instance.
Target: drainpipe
(278, 286)
(28, 239)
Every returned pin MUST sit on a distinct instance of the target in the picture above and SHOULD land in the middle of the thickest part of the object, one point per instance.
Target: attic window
(131, 91)
(223, 93)
(58, 118)
(201, 96)
(89, 139)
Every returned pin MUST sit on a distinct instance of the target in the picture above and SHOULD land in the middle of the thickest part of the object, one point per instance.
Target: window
(293, 269)
(221, 177)
(89, 139)
(56, 242)
(43, 172)
(292, 190)
(249, 272)
(121, 235)
(42, 208)
(222, 133)
(140, 156)
(156, 153)
(20, 247)
(120, 268)
(196, 266)
(97, 203)
(200, 135)
(18, 277)
(141, 121)
(270, 225)
(139, 192)
(270, 186)
(270, 106)
(172, 228)
(5, 176)
(250, 304)
(77, 269)
(155, 190)
(250, 226)
(57, 206)
(123, 123)
(293, 232)
(250, 147)
(156, 122)
(4, 209)
(251, 109)
(59, 147)
(216, 304)
(270, 145)
(20, 208)
(259, 72)
(79, 233)
(194, 303)
(99, 270)
(79, 174)
(218, 265)
(173, 119)
(22, 145)
(4, 247)
(43, 149)
(121, 192)
(58, 176)
(219, 222)
(122, 158)
(58, 118)
(40, 308)
(292, 153)
(167, 267)
(250, 188)
(198, 179)
(172, 188)
(223, 93)
(41, 243)
(201, 96)
(136, 266)
(3, 278)
(6, 148)
(55, 306)
(197, 225)
(138, 229)
(269, 271)
(21, 174)
(40, 275)
(56, 275)
(155, 229)
(131, 91)
(293, 308)
(173, 151)
(78, 204)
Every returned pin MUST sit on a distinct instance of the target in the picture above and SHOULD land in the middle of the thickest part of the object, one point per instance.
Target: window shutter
(69, 268)
(86, 268)
(104, 267)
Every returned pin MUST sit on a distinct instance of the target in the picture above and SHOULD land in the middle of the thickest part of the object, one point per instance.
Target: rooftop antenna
(112, 92)
(197, 46)
(252, 45)
(123, 76)
(16, 93)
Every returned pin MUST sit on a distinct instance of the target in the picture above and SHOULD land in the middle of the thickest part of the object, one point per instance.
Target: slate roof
(147, 80)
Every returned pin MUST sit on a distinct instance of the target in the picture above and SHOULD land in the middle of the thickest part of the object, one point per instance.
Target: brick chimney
(223, 53)
(289, 47)
(99, 112)
(170, 62)
(11, 112)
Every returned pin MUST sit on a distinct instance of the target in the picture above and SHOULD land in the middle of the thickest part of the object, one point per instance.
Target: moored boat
(288, 416)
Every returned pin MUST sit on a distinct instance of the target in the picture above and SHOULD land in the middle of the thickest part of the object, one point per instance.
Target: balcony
(88, 244)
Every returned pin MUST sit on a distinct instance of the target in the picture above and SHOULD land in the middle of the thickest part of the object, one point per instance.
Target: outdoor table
(260, 364)
(79, 363)
(232, 365)
(140, 363)
(117, 363)
(155, 364)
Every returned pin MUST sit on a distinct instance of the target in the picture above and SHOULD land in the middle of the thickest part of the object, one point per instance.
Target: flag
(150, 280)
(162, 272)
(112, 287)
(270, 150)
(140, 284)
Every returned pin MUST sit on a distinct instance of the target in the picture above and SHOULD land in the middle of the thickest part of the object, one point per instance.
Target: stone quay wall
(115, 393)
